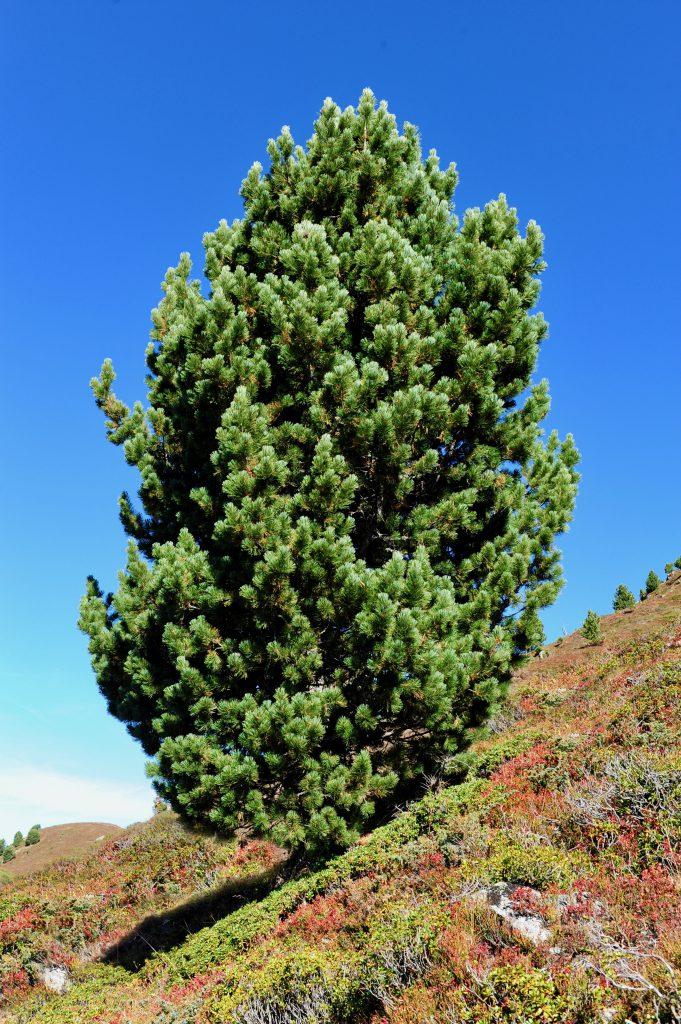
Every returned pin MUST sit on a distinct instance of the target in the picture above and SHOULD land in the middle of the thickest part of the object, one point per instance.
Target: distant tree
(348, 506)
(8, 854)
(623, 598)
(33, 835)
(653, 581)
(18, 840)
(591, 629)
(672, 566)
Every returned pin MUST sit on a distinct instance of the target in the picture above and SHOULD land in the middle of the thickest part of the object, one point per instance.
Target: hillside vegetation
(56, 843)
(537, 881)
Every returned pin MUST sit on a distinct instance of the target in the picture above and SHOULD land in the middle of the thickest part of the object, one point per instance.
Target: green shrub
(317, 984)
(480, 764)
(8, 854)
(536, 866)
(521, 995)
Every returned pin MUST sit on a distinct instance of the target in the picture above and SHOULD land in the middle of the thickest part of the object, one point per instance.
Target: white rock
(55, 979)
(530, 926)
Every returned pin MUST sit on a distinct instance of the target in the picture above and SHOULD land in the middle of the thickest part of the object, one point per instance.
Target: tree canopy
(347, 506)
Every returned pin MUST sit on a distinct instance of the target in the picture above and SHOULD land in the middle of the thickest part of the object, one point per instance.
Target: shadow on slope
(160, 933)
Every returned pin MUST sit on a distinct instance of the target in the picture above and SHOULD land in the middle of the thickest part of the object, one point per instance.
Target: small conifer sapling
(653, 581)
(591, 629)
(623, 599)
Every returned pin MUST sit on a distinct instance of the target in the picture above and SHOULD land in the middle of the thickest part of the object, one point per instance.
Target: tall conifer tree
(348, 508)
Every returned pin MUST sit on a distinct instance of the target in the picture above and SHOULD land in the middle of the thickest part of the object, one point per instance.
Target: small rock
(55, 979)
(530, 926)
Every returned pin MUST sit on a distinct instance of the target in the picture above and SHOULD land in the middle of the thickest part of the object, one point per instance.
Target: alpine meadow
(348, 508)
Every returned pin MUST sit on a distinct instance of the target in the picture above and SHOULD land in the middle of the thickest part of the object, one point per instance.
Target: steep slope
(538, 883)
(59, 842)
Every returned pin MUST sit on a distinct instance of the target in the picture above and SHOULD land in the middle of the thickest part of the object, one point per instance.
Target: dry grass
(59, 842)
(659, 609)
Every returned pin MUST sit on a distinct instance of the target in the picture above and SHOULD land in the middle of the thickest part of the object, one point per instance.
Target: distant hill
(537, 881)
(58, 842)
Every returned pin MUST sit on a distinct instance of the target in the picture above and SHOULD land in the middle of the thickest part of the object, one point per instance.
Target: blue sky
(128, 127)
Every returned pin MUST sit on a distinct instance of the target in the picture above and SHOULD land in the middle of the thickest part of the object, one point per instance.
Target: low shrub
(536, 866)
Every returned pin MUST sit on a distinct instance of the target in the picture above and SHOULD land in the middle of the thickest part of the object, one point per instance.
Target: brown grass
(59, 842)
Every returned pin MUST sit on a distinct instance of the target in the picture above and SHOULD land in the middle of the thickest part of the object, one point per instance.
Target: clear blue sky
(127, 129)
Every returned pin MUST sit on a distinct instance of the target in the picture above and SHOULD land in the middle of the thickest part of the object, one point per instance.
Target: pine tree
(33, 835)
(623, 598)
(591, 629)
(18, 840)
(8, 854)
(348, 505)
(653, 581)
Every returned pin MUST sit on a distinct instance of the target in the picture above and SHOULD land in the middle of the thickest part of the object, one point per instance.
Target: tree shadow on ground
(161, 932)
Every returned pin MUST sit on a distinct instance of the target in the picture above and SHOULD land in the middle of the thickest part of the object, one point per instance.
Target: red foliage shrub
(521, 771)
(256, 853)
(194, 986)
(22, 921)
(322, 915)
(14, 984)
(525, 900)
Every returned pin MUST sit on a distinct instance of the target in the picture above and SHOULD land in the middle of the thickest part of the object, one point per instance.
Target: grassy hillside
(538, 883)
(59, 842)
